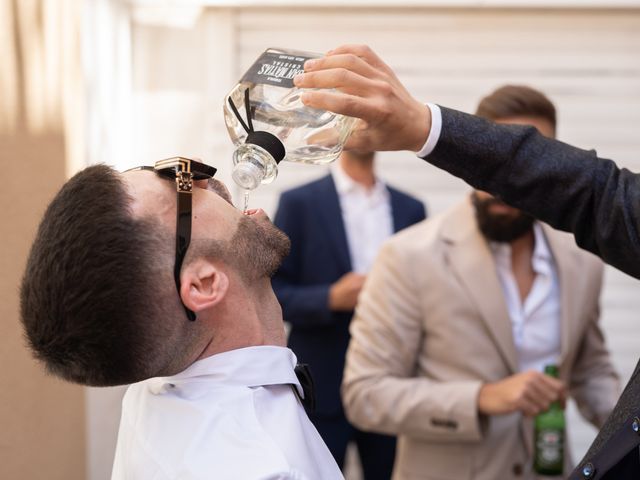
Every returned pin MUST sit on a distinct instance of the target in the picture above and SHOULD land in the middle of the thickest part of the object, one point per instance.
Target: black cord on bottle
(266, 140)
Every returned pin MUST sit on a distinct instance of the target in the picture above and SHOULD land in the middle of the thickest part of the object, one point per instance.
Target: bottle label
(549, 447)
(276, 68)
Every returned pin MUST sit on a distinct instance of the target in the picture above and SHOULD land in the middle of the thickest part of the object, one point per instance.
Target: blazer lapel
(399, 215)
(330, 215)
(473, 263)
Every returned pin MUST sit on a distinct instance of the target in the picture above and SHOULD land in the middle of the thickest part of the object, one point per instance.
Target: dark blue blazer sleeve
(303, 303)
(569, 188)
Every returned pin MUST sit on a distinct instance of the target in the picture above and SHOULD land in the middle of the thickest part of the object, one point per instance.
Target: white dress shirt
(367, 217)
(536, 321)
(233, 415)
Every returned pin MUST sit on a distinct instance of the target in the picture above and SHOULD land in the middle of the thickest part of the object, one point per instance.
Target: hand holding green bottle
(549, 436)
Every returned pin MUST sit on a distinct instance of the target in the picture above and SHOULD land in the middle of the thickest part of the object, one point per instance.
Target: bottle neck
(253, 165)
(552, 371)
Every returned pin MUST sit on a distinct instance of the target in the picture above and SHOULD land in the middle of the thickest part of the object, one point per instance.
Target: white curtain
(40, 69)
(107, 62)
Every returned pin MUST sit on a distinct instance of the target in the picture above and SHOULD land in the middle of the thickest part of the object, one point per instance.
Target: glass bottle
(268, 122)
(549, 436)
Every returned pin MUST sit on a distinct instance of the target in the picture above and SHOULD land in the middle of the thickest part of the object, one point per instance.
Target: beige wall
(42, 432)
(42, 420)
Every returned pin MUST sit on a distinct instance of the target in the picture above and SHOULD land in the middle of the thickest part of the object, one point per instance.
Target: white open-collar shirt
(367, 217)
(535, 321)
(233, 415)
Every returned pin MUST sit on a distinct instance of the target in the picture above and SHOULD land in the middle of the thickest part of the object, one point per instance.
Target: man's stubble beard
(258, 248)
(500, 228)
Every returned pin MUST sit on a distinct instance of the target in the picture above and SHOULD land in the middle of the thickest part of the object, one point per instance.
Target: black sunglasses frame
(184, 171)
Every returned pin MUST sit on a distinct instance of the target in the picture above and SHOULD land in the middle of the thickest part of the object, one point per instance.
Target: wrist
(422, 127)
(331, 297)
(486, 399)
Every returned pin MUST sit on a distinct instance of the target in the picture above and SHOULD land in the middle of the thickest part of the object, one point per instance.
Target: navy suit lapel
(399, 212)
(330, 216)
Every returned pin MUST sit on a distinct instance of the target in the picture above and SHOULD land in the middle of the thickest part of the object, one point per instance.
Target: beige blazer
(432, 326)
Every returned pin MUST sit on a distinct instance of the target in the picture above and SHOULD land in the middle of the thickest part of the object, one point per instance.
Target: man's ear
(203, 285)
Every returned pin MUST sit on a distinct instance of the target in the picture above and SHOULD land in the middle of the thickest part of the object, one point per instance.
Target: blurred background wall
(153, 76)
(42, 419)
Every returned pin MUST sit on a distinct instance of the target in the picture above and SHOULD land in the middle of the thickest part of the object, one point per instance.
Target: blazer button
(635, 425)
(588, 470)
(517, 469)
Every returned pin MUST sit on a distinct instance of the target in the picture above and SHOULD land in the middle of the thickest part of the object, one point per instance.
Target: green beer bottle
(549, 436)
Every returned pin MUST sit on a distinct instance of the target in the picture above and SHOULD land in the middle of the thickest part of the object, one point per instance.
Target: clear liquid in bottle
(268, 122)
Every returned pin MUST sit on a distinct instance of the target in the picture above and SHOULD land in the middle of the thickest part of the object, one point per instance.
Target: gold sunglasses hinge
(184, 182)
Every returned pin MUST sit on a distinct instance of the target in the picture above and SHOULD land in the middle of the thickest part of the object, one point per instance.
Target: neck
(359, 167)
(250, 316)
(523, 245)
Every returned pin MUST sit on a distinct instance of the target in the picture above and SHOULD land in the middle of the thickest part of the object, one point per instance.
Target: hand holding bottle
(366, 88)
(529, 392)
(268, 122)
(549, 435)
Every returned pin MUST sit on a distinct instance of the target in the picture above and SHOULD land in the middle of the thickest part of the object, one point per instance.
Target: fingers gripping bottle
(268, 122)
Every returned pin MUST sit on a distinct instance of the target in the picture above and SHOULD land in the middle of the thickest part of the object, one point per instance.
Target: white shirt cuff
(434, 133)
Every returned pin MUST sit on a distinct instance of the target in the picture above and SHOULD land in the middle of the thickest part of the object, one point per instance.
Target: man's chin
(280, 248)
(265, 246)
(506, 232)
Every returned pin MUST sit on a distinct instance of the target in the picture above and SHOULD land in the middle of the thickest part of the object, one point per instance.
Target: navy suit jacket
(310, 215)
(572, 190)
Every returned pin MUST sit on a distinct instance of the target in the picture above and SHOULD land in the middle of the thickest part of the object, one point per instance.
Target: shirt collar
(541, 253)
(541, 248)
(249, 367)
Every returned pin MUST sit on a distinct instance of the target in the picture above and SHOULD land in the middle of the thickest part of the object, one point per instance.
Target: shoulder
(404, 197)
(417, 239)
(427, 241)
(583, 270)
(406, 210)
(216, 431)
(563, 243)
(307, 190)
(295, 205)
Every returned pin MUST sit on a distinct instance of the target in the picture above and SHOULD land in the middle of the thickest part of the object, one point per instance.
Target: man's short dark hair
(98, 295)
(517, 100)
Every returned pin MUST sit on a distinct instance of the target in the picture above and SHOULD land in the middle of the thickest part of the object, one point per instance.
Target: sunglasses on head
(184, 171)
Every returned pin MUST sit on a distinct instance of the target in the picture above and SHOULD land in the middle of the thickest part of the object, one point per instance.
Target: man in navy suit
(336, 225)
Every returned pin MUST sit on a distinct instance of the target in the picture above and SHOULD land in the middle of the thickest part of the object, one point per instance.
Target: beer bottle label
(549, 447)
(276, 68)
